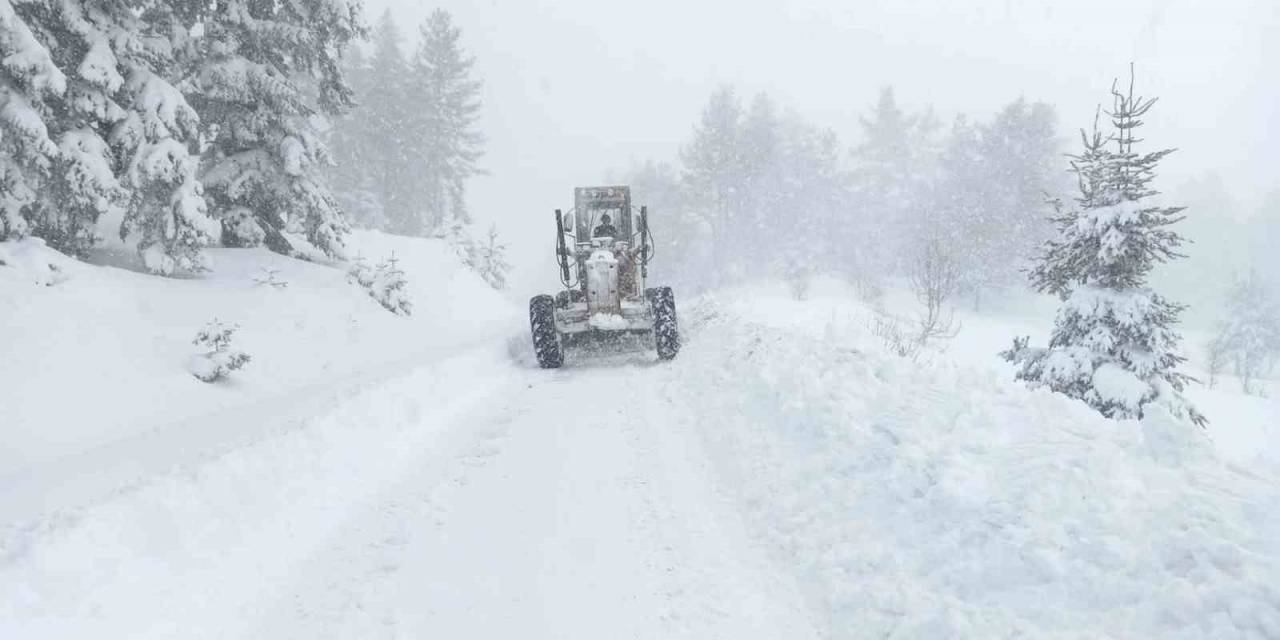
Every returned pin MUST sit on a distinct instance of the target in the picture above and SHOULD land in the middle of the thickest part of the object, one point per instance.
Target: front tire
(666, 332)
(542, 322)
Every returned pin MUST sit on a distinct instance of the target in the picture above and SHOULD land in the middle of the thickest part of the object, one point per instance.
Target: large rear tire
(542, 322)
(666, 332)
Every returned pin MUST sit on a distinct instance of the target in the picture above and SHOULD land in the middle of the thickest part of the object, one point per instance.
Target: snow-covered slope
(94, 360)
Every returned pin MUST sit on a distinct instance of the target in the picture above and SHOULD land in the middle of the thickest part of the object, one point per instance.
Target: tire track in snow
(571, 508)
(346, 588)
(195, 552)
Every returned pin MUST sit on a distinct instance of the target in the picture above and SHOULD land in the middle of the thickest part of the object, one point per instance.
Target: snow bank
(943, 500)
(95, 359)
(30, 262)
(202, 551)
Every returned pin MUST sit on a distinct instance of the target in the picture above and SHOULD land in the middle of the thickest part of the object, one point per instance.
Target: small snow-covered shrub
(491, 261)
(935, 278)
(384, 283)
(221, 358)
(488, 259)
(895, 338)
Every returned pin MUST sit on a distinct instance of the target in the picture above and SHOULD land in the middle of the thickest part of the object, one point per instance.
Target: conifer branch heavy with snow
(1113, 344)
(263, 75)
(93, 128)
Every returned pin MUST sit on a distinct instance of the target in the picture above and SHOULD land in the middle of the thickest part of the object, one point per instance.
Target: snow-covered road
(474, 497)
(569, 504)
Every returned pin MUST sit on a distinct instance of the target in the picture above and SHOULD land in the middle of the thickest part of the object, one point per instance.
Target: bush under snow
(384, 283)
(221, 359)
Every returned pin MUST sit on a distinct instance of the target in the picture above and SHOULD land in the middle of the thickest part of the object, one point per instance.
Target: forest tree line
(759, 191)
(973, 210)
(405, 153)
(190, 122)
(183, 124)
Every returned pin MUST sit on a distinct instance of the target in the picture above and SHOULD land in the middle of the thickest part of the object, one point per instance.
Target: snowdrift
(95, 359)
(940, 499)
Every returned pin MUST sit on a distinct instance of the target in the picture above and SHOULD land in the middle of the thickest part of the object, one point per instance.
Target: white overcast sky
(574, 88)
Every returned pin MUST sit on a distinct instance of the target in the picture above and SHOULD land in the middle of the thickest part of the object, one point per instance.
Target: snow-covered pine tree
(1113, 343)
(816, 188)
(354, 151)
(805, 196)
(262, 75)
(713, 175)
(657, 186)
(29, 80)
(221, 358)
(385, 283)
(891, 169)
(166, 213)
(956, 206)
(120, 132)
(445, 106)
(491, 260)
(372, 142)
(389, 113)
(1018, 152)
(761, 196)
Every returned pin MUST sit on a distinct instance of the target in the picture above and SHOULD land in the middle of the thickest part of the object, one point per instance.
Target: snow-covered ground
(939, 500)
(374, 476)
(94, 363)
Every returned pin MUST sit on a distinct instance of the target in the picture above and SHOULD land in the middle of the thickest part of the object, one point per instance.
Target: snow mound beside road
(943, 500)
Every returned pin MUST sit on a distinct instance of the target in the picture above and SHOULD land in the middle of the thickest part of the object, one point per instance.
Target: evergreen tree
(658, 187)
(813, 191)
(1249, 334)
(891, 172)
(958, 206)
(120, 132)
(29, 81)
(991, 188)
(761, 151)
(1113, 344)
(713, 170)
(355, 150)
(445, 106)
(1020, 155)
(387, 130)
(491, 260)
(763, 190)
(262, 75)
(166, 211)
(81, 184)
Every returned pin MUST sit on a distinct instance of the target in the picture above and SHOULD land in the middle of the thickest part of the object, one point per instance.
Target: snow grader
(603, 247)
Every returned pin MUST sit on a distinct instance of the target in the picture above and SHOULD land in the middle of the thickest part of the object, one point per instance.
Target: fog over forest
(577, 92)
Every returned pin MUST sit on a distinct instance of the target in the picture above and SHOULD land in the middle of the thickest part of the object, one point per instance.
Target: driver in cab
(605, 229)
